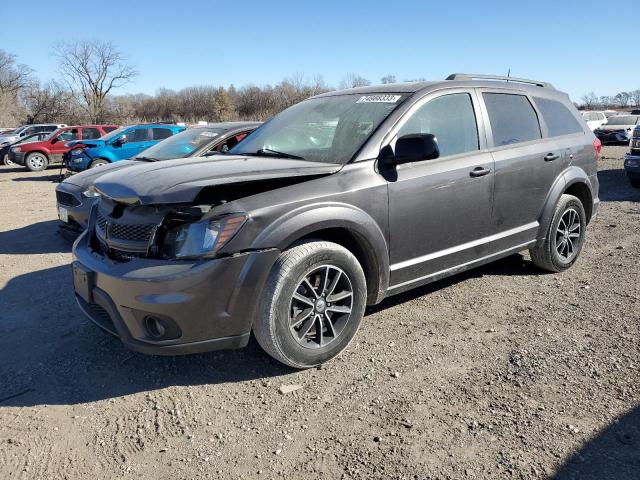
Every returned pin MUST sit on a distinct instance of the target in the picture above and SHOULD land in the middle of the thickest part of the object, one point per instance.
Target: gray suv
(334, 204)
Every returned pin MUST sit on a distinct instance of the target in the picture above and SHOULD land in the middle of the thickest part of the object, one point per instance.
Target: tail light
(597, 146)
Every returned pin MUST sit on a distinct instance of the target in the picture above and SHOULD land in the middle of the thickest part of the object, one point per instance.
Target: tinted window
(559, 120)
(139, 135)
(451, 119)
(68, 135)
(512, 118)
(161, 133)
(109, 129)
(90, 133)
(48, 128)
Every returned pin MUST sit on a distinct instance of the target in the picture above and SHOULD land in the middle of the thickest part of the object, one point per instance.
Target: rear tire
(564, 238)
(635, 182)
(312, 304)
(36, 162)
(98, 162)
(6, 161)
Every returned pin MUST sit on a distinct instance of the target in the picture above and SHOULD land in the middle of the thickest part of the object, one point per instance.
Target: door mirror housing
(411, 148)
(121, 140)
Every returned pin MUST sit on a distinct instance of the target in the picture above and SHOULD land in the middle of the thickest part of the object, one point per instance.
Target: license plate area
(63, 214)
(83, 281)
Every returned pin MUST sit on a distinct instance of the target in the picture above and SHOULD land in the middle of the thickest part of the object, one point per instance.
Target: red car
(37, 156)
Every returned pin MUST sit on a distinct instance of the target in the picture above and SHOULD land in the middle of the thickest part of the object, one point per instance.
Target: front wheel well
(360, 248)
(583, 193)
(37, 151)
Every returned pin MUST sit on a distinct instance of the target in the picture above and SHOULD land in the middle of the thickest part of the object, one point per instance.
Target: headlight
(90, 192)
(204, 238)
(16, 149)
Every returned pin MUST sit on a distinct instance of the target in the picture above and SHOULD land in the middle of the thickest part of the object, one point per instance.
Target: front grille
(65, 198)
(116, 254)
(123, 231)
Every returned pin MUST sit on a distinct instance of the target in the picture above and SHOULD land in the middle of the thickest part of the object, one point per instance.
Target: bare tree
(13, 76)
(635, 98)
(352, 80)
(388, 79)
(92, 69)
(49, 103)
(590, 100)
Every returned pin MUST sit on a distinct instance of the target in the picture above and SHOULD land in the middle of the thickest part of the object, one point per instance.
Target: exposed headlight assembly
(202, 239)
(90, 192)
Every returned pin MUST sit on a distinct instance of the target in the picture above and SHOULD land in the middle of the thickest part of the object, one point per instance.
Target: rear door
(440, 210)
(526, 166)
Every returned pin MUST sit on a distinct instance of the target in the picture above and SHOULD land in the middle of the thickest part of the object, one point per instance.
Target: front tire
(6, 161)
(565, 236)
(98, 162)
(36, 162)
(312, 305)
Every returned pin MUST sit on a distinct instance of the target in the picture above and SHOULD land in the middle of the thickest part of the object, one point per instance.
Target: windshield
(326, 129)
(112, 134)
(181, 145)
(623, 120)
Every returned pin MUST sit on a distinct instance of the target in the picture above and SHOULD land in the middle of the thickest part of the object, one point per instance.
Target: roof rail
(472, 76)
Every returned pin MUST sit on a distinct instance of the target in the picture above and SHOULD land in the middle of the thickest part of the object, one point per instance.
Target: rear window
(623, 120)
(161, 133)
(109, 129)
(512, 118)
(559, 120)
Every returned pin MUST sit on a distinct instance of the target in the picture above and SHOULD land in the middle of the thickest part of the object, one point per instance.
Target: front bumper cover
(212, 302)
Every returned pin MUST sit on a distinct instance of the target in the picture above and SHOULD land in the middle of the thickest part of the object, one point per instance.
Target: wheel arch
(343, 224)
(573, 181)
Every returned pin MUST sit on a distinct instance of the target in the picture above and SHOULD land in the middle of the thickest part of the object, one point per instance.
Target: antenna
(508, 73)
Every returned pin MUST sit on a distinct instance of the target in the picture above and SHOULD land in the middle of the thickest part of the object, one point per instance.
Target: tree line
(591, 101)
(92, 72)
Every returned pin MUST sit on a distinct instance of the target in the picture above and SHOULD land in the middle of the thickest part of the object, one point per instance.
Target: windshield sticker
(208, 134)
(379, 99)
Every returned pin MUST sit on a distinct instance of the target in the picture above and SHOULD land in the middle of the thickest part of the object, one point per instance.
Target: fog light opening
(155, 327)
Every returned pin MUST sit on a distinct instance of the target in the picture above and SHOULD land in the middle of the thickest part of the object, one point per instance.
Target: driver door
(440, 209)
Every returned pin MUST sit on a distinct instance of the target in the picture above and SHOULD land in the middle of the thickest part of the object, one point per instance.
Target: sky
(577, 45)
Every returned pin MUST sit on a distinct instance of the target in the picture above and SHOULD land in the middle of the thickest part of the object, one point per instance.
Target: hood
(85, 179)
(8, 138)
(88, 143)
(181, 180)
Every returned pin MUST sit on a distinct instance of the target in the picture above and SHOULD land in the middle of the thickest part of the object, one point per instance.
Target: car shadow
(513, 265)
(49, 177)
(41, 237)
(615, 187)
(613, 454)
(51, 354)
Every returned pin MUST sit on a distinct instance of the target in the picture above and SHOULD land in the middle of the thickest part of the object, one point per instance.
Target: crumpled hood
(89, 143)
(180, 181)
(85, 179)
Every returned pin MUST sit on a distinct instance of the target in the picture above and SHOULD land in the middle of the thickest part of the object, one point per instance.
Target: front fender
(309, 219)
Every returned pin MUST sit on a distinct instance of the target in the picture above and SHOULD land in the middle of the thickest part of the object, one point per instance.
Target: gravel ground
(503, 372)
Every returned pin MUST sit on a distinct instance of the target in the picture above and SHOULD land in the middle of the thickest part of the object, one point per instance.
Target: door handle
(550, 157)
(479, 172)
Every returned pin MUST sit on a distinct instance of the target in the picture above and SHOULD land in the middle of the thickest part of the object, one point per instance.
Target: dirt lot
(503, 372)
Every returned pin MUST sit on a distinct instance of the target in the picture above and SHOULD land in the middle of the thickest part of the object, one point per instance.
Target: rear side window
(109, 129)
(89, 133)
(559, 120)
(161, 133)
(512, 118)
(451, 119)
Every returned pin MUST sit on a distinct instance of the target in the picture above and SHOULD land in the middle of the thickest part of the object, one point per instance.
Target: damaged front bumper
(168, 307)
(632, 165)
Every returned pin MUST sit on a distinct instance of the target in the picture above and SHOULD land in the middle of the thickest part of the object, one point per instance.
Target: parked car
(594, 119)
(23, 131)
(293, 233)
(120, 144)
(34, 137)
(617, 129)
(37, 156)
(74, 199)
(632, 159)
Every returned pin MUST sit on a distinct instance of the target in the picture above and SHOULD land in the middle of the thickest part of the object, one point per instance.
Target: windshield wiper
(274, 153)
(146, 159)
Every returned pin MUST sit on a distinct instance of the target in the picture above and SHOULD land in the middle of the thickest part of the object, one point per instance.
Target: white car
(594, 119)
(617, 129)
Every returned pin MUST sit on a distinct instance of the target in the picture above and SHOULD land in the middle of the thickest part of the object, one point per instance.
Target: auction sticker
(379, 99)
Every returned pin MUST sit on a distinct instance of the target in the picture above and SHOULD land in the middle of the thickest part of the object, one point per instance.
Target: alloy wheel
(320, 307)
(36, 161)
(568, 235)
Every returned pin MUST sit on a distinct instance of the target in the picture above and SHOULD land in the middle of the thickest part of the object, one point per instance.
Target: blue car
(123, 143)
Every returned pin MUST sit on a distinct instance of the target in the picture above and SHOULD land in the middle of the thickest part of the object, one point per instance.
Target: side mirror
(411, 148)
(121, 140)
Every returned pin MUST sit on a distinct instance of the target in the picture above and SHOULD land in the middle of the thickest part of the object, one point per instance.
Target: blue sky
(178, 44)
